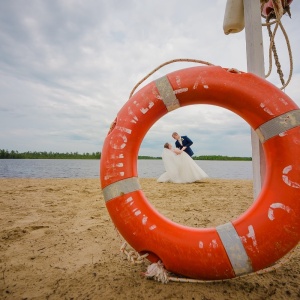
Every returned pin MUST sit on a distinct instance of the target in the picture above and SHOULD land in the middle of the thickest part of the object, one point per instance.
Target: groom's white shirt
(180, 141)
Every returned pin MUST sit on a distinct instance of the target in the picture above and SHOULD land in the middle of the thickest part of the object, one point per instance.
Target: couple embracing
(179, 166)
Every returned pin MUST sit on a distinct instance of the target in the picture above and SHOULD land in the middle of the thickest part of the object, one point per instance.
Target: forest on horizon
(5, 154)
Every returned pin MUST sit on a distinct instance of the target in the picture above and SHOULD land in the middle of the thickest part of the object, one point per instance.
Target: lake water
(80, 168)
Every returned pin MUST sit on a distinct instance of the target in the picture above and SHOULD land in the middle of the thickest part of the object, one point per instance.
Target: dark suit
(186, 142)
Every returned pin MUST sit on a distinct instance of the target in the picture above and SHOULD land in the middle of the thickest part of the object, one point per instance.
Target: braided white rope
(132, 256)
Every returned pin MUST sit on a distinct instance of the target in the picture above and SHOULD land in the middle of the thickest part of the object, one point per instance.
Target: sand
(57, 242)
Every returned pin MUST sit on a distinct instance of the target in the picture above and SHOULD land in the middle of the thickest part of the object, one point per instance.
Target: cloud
(67, 68)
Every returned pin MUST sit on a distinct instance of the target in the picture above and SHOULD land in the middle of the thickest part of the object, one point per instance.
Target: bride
(179, 166)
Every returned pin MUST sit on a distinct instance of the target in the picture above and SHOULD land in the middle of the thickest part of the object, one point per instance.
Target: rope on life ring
(258, 238)
(157, 271)
(167, 63)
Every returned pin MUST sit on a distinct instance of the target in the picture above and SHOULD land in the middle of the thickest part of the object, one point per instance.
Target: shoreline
(58, 242)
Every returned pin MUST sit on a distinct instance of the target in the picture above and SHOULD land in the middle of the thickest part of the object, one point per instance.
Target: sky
(68, 66)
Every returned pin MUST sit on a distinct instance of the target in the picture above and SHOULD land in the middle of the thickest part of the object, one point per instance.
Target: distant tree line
(95, 155)
(148, 157)
(47, 155)
(207, 157)
(220, 157)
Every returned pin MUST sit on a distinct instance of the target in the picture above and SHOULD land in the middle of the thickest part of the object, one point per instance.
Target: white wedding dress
(180, 168)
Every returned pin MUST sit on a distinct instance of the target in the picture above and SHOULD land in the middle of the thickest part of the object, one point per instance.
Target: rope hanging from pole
(275, 10)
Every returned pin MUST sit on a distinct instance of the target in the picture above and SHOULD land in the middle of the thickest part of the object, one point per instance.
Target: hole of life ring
(210, 202)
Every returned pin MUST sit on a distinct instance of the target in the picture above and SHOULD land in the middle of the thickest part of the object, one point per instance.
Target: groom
(183, 142)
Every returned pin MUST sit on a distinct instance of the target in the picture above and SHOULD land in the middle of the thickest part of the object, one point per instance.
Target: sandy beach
(57, 242)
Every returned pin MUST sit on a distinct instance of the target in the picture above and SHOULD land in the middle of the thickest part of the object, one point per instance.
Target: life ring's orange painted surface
(267, 231)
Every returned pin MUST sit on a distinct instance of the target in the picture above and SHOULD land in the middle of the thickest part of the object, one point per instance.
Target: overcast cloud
(68, 66)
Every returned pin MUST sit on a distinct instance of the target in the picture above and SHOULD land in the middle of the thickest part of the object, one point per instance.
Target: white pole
(255, 64)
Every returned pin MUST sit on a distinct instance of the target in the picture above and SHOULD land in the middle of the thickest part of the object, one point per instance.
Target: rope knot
(157, 272)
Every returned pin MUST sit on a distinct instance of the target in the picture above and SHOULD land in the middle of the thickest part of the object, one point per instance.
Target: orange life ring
(267, 231)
